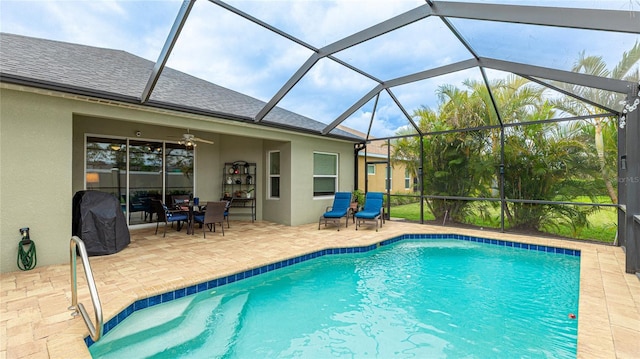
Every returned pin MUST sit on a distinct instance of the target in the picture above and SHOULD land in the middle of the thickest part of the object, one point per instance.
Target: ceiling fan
(189, 140)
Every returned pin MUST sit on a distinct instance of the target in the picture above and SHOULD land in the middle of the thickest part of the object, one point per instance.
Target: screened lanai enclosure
(517, 116)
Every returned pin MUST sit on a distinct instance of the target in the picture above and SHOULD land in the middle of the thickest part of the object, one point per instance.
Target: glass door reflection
(145, 179)
(179, 171)
(106, 167)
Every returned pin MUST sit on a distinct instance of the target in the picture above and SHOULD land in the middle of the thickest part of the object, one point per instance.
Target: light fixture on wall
(92, 177)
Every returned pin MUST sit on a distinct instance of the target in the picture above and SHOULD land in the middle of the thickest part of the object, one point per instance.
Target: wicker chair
(216, 212)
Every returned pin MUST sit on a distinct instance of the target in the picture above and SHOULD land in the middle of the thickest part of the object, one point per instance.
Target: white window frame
(407, 178)
(273, 175)
(325, 176)
(371, 173)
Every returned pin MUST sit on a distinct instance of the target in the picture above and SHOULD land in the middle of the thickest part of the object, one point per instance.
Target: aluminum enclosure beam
(629, 178)
(567, 93)
(427, 74)
(447, 69)
(257, 21)
(546, 16)
(345, 43)
(381, 28)
(293, 80)
(404, 111)
(575, 78)
(523, 70)
(590, 19)
(363, 100)
(181, 18)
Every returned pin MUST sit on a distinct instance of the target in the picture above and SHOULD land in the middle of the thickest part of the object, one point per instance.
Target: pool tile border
(201, 287)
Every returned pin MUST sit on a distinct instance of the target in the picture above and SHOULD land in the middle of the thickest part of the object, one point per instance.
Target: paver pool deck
(35, 321)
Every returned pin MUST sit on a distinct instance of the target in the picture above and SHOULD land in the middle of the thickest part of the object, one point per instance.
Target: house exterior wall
(307, 207)
(35, 176)
(42, 136)
(377, 180)
(277, 210)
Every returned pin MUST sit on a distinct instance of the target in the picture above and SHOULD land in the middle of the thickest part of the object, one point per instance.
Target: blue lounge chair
(339, 209)
(373, 210)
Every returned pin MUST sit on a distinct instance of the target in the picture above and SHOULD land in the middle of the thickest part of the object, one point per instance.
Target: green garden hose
(26, 258)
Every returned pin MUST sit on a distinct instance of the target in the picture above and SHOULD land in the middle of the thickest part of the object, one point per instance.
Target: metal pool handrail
(95, 331)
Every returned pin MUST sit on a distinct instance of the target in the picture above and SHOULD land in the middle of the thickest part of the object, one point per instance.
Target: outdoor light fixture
(628, 108)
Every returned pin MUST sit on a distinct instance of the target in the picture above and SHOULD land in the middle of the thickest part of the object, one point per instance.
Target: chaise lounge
(339, 209)
(372, 211)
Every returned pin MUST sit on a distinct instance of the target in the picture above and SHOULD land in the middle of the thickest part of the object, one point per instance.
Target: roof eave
(109, 96)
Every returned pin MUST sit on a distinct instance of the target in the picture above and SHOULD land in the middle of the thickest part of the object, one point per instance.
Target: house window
(371, 169)
(407, 178)
(325, 173)
(274, 174)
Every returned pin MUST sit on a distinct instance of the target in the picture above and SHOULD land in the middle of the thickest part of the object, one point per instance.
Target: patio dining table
(190, 208)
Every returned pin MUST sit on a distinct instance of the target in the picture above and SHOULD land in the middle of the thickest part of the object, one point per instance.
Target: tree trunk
(599, 141)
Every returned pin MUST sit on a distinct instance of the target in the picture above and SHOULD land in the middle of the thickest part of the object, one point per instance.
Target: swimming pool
(465, 298)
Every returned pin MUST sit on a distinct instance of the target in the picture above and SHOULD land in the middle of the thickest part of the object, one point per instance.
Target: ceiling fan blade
(203, 140)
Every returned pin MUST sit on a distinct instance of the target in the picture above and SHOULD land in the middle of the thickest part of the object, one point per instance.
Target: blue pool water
(432, 298)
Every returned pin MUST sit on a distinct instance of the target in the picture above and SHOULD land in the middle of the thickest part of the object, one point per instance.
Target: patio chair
(373, 210)
(180, 201)
(339, 209)
(166, 216)
(216, 212)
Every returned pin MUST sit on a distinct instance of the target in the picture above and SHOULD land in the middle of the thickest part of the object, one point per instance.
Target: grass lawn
(602, 224)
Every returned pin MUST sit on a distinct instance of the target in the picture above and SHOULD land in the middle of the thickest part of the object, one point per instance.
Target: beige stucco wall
(35, 177)
(277, 210)
(308, 209)
(42, 137)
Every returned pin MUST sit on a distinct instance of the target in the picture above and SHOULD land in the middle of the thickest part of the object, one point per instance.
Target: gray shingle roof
(119, 75)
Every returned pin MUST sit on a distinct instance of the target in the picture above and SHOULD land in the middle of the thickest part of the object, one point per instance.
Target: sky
(223, 48)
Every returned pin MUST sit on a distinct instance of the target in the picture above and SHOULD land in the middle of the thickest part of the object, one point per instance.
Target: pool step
(219, 337)
(146, 333)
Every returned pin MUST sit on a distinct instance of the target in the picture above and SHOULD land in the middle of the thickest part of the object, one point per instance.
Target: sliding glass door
(145, 179)
(179, 170)
(106, 166)
(137, 172)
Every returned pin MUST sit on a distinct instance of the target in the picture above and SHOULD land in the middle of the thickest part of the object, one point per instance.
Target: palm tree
(604, 128)
(545, 161)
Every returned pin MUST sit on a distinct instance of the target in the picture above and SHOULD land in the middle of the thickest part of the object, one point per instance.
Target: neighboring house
(373, 165)
(72, 119)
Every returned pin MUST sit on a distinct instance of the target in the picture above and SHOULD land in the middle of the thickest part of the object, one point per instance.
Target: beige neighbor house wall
(377, 180)
(378, 151)
(42, 136)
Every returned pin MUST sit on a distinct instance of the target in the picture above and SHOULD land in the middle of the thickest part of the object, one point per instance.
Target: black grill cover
(98, 220)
